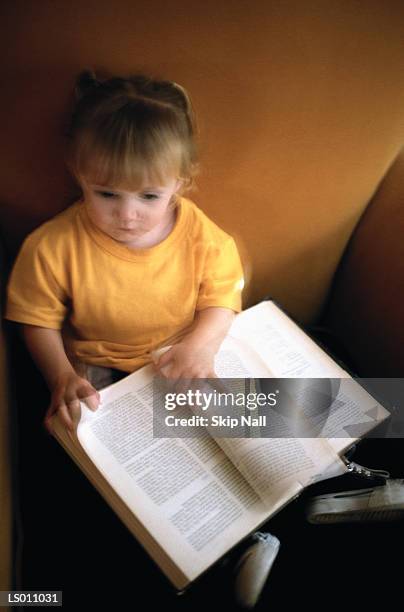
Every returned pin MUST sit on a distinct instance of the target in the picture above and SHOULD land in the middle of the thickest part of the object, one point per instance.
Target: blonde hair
(132, 132)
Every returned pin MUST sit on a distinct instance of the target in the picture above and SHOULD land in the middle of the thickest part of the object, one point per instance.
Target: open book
(190, 500)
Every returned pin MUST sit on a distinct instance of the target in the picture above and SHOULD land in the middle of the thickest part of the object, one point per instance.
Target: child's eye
(105, 194)
(149, 196)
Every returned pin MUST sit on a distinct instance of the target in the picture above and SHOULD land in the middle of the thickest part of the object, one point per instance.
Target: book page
(186, 492)
(236, 359)
(285, 349)
(271, 464)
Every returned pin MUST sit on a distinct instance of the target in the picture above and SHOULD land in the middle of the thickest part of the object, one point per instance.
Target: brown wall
(300, 104)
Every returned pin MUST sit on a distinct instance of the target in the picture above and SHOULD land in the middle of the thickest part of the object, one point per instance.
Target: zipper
(365, 472)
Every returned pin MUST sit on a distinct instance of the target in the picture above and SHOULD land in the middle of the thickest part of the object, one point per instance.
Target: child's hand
(69, 390)
(187, 359)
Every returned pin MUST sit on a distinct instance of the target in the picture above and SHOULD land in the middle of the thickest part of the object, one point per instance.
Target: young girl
(132, 265)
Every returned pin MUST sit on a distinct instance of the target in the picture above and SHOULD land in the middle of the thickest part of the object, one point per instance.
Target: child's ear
(178, 185)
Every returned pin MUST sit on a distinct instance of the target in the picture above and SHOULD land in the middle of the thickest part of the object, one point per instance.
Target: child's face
(130, 217)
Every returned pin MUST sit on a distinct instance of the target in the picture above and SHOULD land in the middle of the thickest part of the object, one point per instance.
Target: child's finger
(168, 371)
(83, 389)
(157, 353)
(50, 411)
(183, 385)
(218, 384)
(65, 416)
(164, 370)
(91, 401)
(47, 423)
(74, 410)
(164, 359)
(89, 395)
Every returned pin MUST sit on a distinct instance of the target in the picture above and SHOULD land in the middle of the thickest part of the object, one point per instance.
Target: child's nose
(127, 212)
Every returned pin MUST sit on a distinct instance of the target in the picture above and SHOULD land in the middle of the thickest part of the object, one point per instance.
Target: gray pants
(100, 376)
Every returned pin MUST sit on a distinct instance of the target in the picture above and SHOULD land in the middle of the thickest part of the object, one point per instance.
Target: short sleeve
(223, 278)
(34, 296)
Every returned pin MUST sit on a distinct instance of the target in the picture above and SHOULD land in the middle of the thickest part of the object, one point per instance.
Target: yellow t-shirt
(115, 304)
